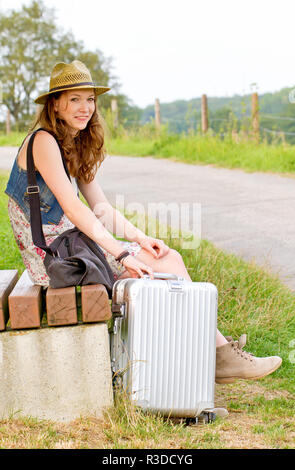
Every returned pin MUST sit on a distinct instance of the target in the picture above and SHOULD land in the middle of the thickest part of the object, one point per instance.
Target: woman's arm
(111, 218)
(116, 223)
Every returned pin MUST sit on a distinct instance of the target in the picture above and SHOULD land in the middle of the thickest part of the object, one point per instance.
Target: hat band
(71, 86)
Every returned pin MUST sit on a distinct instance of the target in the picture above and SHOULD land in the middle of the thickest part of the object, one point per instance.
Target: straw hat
(68, 77)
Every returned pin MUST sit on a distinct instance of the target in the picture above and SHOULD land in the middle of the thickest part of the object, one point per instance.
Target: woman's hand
(136, 268)
(154, 246)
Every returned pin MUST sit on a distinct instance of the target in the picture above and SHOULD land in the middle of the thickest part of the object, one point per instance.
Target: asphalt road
(250, 215)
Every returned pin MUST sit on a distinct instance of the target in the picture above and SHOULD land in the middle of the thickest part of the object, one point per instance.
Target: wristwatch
(122, 256)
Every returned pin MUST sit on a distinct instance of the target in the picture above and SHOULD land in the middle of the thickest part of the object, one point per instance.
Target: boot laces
(238, 346)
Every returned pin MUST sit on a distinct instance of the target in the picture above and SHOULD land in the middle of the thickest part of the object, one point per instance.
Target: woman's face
(75, 107)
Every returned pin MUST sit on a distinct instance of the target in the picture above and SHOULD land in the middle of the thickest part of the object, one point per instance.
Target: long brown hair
(83, 153)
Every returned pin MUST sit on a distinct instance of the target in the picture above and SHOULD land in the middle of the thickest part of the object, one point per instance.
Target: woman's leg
(172, 263)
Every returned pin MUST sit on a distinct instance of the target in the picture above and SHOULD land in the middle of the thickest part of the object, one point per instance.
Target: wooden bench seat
(95, 303)
(25, 304)
(8, 279)
(61, 306)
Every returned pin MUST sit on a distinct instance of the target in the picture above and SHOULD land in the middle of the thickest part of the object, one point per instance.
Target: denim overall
(51, 211)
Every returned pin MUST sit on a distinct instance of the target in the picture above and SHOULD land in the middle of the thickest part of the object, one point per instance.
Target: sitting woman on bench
(69, 111)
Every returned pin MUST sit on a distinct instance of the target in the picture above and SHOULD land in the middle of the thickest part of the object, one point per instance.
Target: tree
(30, 44)
(27, 51)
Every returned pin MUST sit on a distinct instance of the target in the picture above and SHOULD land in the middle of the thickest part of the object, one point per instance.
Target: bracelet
(122, 256)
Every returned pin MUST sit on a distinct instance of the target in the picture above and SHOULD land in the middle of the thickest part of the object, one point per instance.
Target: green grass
(251, 301)
(14, 139)
(196, 149)
(274, 157)
(10, 257)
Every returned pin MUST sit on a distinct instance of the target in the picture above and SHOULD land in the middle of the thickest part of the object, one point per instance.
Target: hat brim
(99, 90)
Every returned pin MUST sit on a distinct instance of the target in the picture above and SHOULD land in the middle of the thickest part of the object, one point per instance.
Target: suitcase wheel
(209, 417)
(206, 417)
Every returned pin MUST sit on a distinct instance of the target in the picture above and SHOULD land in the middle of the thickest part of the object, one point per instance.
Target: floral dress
(33, 256)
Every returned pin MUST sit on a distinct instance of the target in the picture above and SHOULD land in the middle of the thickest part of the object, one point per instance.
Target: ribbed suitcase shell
(165, 344)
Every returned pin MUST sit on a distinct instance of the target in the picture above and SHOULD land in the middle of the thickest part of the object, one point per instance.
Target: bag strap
(33, 193)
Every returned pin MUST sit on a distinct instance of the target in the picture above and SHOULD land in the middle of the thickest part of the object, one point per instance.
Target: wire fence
(272, 131)
(274, 116)
(197, 123)
(280, 126)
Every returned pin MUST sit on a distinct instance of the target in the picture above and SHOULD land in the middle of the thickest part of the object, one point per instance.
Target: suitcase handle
(167, 276)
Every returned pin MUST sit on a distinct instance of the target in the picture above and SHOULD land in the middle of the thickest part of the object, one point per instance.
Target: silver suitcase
(163, 343)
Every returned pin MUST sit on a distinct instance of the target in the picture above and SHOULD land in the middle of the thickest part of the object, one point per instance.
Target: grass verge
(14, 139)
(212, 150)
(251, 300)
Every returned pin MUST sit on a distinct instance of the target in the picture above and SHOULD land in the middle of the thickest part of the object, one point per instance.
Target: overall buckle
(33, 189)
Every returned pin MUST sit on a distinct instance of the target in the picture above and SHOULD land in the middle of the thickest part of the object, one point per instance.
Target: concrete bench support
(55, 373)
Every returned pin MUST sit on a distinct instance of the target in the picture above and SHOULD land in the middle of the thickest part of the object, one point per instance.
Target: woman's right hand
(136, 268)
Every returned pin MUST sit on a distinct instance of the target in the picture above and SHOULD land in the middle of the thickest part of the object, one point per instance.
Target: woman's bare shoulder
(42, 140)
(45, 144)
(46, 153)
(44, 137)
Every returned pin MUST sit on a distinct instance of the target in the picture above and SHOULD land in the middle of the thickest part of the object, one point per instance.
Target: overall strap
(33, 192)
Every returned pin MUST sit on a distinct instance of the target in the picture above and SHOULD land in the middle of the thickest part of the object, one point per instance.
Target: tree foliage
(27, 50)
(31, 43)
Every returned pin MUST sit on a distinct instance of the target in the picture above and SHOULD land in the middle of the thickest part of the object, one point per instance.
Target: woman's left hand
(154, 246)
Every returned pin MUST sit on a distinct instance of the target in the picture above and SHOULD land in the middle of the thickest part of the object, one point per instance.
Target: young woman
(69, 112)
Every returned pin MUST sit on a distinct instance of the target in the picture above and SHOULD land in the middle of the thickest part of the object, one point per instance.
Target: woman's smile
(82, 118)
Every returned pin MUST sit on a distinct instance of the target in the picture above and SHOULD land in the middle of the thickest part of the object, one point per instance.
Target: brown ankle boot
(232, 363)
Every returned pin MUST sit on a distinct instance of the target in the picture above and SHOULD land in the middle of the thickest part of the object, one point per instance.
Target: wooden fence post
(8, 127)
(204, 109)
(157, 113)
(255, 117)
(114, 108)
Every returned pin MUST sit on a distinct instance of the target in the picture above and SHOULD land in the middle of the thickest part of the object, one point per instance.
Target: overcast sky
(170, 49)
